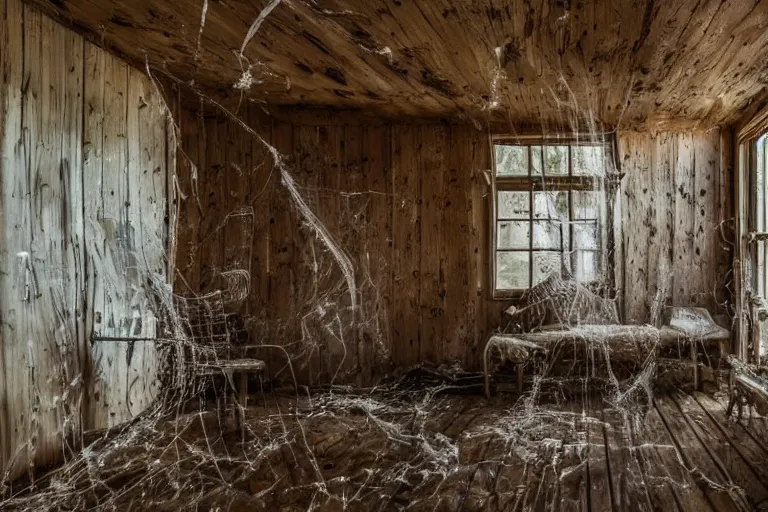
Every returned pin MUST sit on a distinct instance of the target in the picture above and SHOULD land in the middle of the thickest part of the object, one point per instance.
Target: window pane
(586, 266)
(513, 234)
(511, 160)
(585, 236)
(560, 227)
(588, 160)
(536, 160)
(547, 235)
(550, 205)
(512, 270)
(586, 205)
(513, 205)
(556, 160)
(544, 264)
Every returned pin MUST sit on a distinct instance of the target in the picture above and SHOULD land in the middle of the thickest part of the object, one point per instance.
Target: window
(548, 206)
(757, 222)
(753, 202)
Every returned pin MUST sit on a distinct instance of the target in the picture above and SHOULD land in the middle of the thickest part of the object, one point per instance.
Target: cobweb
(182, 452)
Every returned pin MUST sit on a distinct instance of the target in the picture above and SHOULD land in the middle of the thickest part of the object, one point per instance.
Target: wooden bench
(626, 342)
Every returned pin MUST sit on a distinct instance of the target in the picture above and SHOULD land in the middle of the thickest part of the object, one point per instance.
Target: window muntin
(549, 206)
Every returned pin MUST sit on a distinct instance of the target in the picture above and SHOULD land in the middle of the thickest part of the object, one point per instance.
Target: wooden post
(695, 360)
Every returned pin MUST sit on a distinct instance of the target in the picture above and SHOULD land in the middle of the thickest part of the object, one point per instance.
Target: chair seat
(229, 365)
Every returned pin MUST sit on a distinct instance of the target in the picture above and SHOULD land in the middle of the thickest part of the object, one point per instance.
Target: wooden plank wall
(406, 203)
(126, 174)
(674, 198)
(83, 180)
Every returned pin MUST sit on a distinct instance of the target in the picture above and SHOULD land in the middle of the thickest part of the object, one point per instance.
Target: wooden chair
(749, 386)
(212, 346)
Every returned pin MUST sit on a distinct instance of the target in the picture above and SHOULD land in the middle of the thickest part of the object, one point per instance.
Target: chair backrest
(202, 320)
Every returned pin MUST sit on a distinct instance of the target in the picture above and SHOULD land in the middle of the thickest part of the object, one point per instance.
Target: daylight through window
(548, 209)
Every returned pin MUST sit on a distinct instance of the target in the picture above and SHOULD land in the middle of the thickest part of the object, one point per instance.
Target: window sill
(500, 295)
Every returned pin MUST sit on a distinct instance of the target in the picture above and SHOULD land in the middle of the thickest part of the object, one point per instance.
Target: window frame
(543, 183)
(751, 258)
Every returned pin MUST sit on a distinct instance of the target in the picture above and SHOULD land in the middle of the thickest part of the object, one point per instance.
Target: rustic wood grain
(635, 153)
(728, 459)
(263, 178)
(406, 222)
(455, 258)
(437, 235)
(377, 298)
(354, 196)
(685, 171)
(93, 141)
(669, 485)
(338, 348)
(628, 487)
(479, 243)
(111, 249)
(309, 147)
(707, 239)
(430, 169)
(694, 456)
(14, 230)
(62, 279)
(601, 495)
(631, 63)
(34, 324)
(283, 329)
(670, 208)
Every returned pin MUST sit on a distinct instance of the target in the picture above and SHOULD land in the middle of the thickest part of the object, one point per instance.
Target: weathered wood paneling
(407, 203)
(615, 61)
(362, 181)
(83, 175)
(406, 234)
(14, 231)
(674, 197)
(126, 235)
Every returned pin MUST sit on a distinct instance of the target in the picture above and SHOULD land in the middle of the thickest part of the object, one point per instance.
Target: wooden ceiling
(620, 62)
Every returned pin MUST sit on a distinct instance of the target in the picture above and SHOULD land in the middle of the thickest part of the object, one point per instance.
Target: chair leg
(242, 401)
(221, 409)
(695, 360)
(244, 390)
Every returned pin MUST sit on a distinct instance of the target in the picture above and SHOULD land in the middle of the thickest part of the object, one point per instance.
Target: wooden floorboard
(600, 492)
(506, 473)
(659, 464)
(455, 453)
(695, 459)
(755, 426)
(682, 455)
(629, 490)
(737, 473)
(738, 444)
(476, 492)
(574, 467)
(738, 434)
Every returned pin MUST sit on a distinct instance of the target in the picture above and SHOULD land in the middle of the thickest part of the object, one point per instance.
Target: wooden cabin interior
(384, 255)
